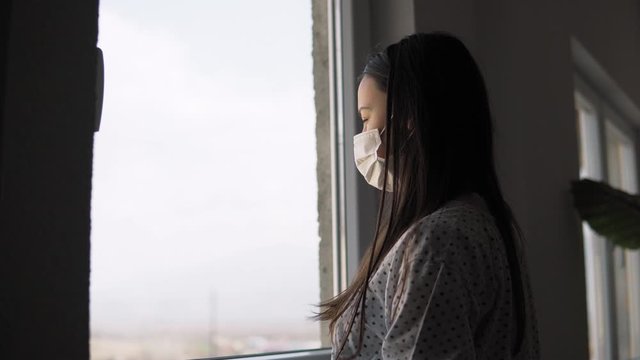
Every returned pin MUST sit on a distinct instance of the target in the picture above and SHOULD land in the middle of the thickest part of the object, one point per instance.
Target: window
(214, 186)
(622, 173)
(594, 246)
(607, 152)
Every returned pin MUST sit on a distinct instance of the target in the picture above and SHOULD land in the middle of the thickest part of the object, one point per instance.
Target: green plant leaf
(610, 212)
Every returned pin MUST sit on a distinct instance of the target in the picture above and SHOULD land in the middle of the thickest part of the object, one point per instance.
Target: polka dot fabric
(455, 301)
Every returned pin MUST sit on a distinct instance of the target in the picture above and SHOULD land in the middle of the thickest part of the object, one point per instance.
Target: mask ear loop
(385, 127)
(381, 142)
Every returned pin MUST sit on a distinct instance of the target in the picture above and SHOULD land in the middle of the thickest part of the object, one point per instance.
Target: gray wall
(525, 53)
(610, 31)
(47, 121)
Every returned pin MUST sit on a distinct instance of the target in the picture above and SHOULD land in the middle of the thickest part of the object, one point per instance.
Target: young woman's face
(372, 107)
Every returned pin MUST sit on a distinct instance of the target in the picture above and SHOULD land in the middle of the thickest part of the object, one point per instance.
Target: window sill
(315, 354)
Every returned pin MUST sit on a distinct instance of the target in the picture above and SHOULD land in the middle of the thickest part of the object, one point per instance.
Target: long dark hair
(439, 128)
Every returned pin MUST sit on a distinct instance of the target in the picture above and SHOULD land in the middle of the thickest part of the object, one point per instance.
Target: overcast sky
(204, 166)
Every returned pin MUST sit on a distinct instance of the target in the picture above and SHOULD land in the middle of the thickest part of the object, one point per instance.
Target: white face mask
(365, 147)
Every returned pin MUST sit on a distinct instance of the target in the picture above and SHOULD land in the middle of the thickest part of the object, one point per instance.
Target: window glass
(594, 245)
(622, 174)
(589, 136)
(205, 197)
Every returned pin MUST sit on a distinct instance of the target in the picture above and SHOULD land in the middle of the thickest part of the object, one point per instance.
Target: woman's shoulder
(458, 215)
(459, 226)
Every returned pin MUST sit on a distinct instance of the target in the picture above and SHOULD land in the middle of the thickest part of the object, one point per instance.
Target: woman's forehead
(368, 92)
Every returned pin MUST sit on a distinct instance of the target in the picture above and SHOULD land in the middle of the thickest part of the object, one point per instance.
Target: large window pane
(622, 174)
(205, 197)
(594, 245)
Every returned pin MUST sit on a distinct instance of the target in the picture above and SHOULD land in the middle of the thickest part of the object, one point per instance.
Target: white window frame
(600, 263)
(319, 354)
(627, 278)
(595, 247)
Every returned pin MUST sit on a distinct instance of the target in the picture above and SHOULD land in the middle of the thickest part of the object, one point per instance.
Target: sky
(204, 189)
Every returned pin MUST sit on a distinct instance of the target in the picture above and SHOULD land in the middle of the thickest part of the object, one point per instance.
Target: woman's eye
(364, 120)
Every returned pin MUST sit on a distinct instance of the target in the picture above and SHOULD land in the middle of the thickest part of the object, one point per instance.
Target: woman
(446, 272)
